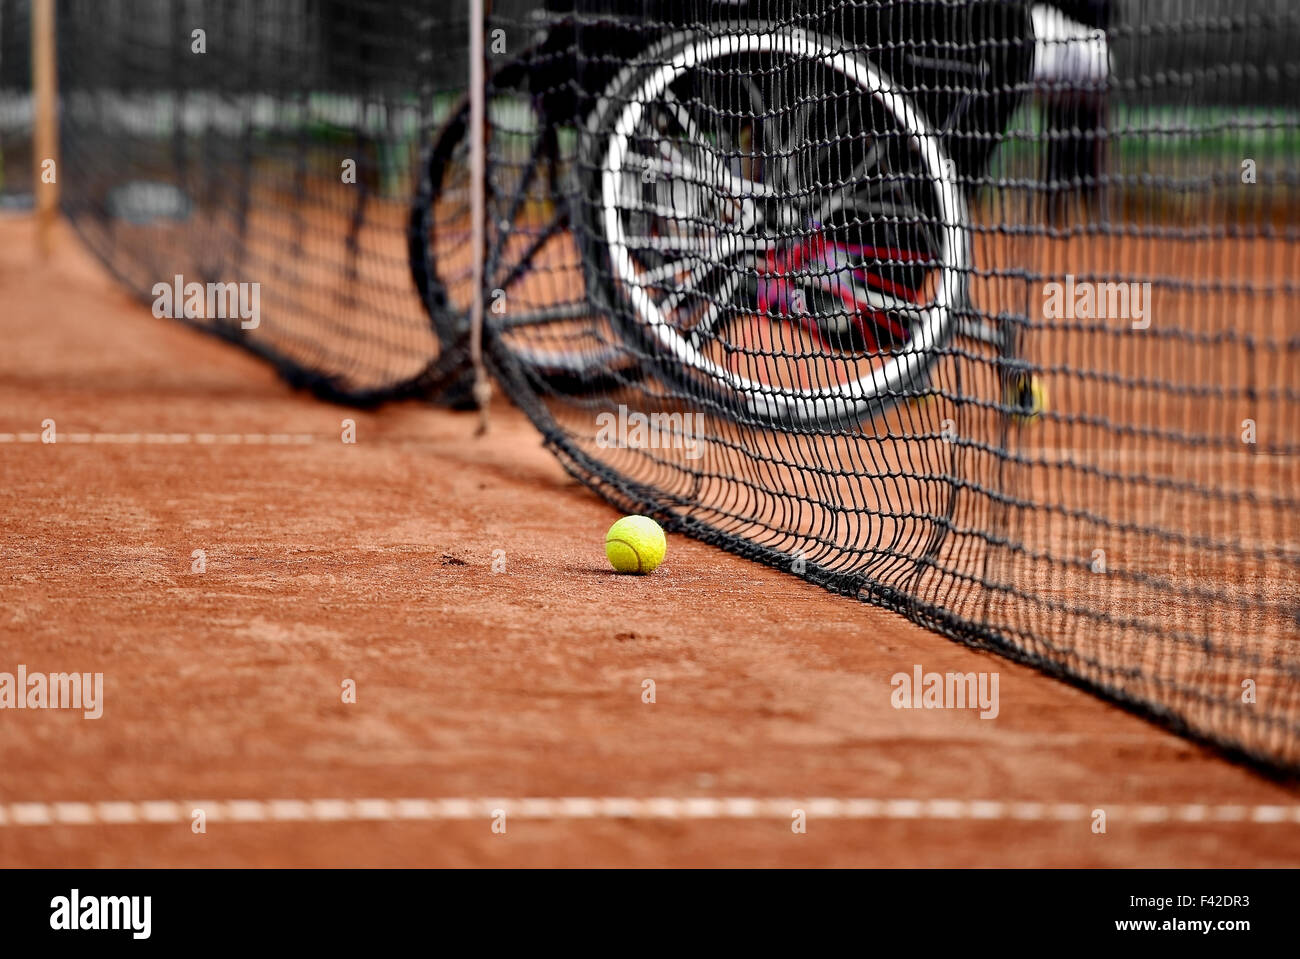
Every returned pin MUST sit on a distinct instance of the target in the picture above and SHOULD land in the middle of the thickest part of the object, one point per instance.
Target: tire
(438, 235)
(841, 239)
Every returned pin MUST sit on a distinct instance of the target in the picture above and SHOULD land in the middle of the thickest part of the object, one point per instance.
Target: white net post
(478, 196)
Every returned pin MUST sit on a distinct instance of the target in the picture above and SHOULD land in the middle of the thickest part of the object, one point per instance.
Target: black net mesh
(271, 143)
(15, 105)
(984, 312)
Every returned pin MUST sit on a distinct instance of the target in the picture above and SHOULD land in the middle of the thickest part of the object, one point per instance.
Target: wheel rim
(661, 270)
(564, 343)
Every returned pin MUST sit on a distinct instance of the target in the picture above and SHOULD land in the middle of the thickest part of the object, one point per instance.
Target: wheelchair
(771, 215)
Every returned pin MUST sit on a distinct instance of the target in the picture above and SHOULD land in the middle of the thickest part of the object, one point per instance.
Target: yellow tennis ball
(1027, 397)
(635, 544)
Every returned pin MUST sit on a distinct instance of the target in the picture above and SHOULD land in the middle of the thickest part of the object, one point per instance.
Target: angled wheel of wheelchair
(553, 343)
(773, 224)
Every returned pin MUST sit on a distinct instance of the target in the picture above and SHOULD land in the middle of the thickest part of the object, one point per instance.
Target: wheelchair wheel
(527, 210)
(774, 224)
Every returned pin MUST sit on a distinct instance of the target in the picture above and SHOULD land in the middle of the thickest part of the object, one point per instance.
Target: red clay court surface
(373, 563)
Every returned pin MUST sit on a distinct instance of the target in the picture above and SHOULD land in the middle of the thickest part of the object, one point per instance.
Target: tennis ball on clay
(635, 544)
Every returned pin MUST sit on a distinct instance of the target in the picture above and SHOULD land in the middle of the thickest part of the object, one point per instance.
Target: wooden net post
(45, 134)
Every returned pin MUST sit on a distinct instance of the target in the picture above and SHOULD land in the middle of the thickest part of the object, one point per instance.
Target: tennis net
(984, 313)
(15, 105)
(277, 144)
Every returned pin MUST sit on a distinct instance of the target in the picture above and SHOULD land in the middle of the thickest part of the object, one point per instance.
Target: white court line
(166, 439)
(654, 808)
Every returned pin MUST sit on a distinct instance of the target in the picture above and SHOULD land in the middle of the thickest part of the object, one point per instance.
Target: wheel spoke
(520, 267)
(713, 174)
(665, 271)
(730, 185)
(545, 315)
(865, 295)
(687, 286)
(716, 304)
(521, 191)
(861, 170)
(773, 144)
(797, 128)
(677, 216)
(867, 203)
(706, 246)
(670, 244)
